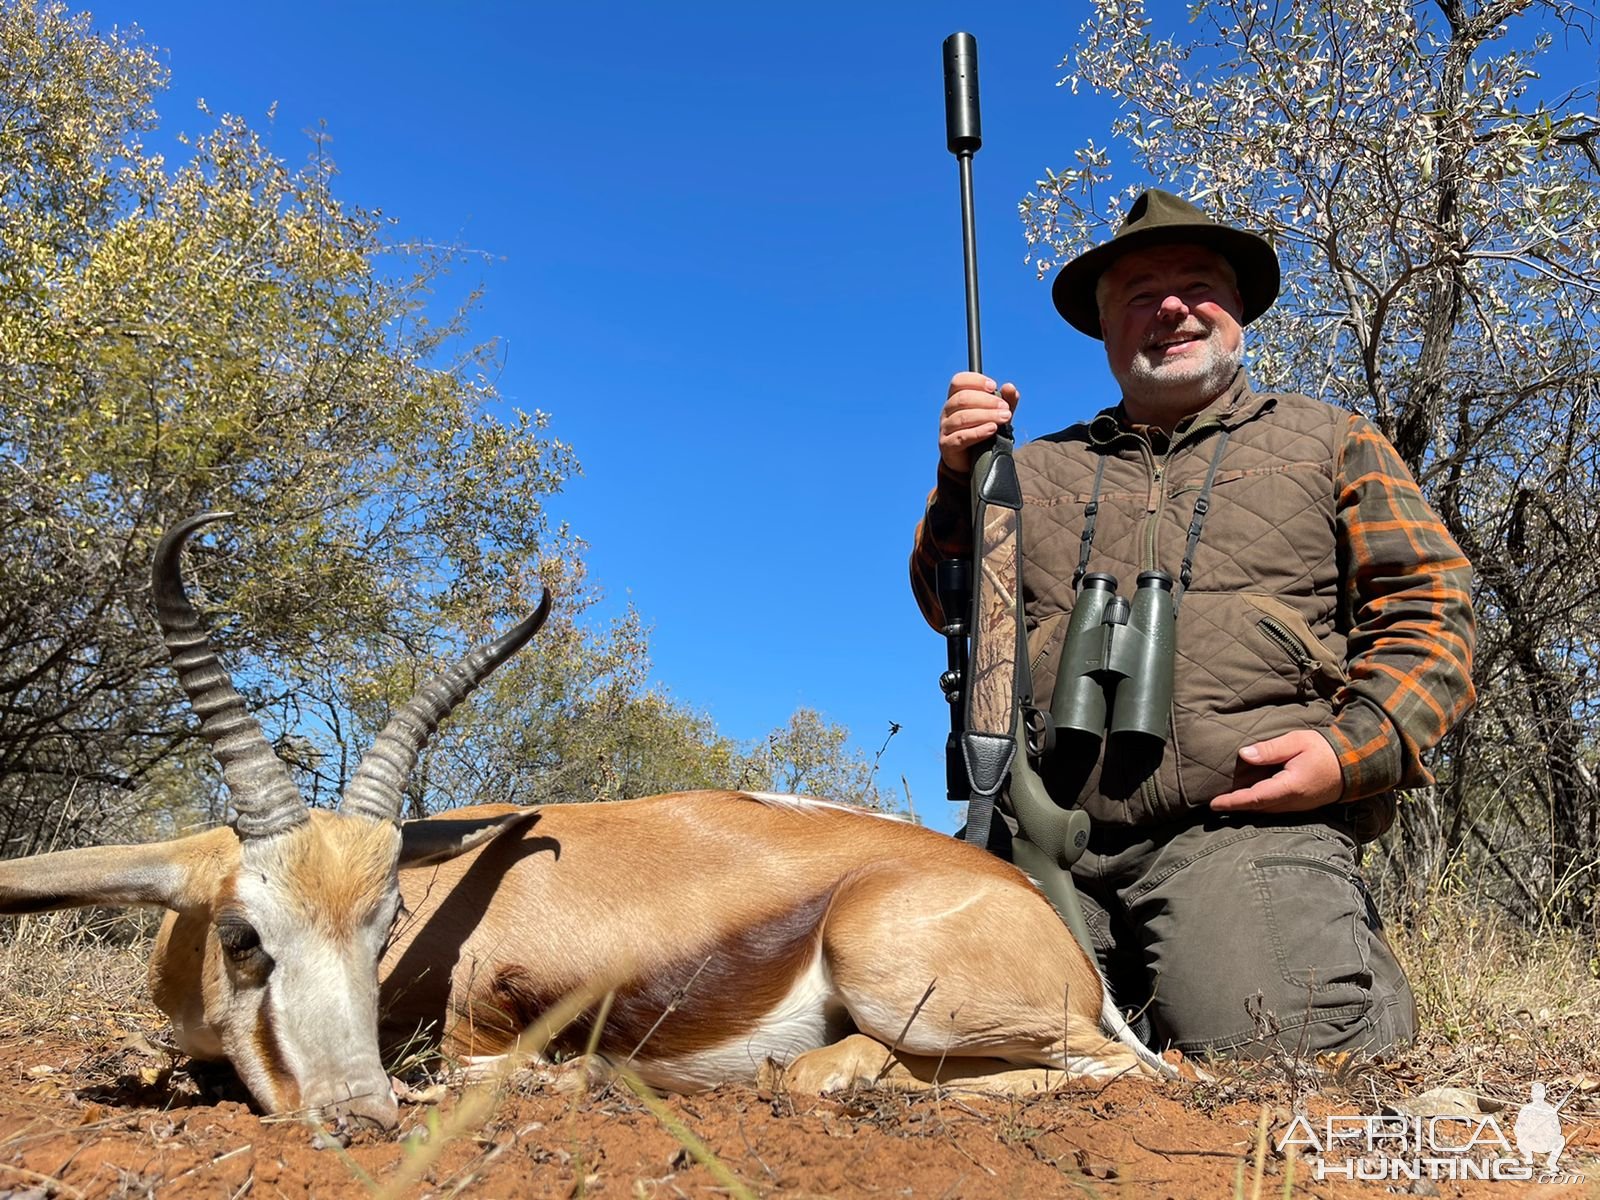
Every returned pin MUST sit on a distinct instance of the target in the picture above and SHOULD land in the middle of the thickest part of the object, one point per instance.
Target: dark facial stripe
(270, 1051)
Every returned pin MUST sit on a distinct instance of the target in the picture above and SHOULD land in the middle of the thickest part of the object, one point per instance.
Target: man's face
(1170, 318)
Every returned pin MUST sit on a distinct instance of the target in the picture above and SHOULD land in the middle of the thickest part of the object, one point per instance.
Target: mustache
(1158, 339)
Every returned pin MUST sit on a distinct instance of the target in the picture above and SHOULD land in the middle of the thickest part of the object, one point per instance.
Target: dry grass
(1482, 976)
(81, 974)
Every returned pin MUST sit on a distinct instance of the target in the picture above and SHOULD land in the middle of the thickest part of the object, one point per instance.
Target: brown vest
(1260, 634)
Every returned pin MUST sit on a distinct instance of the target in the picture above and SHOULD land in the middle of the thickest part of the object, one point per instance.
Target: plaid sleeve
(1407, 603)
(945, 531)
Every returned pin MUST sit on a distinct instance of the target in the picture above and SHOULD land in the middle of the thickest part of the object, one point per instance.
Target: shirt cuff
(953, 483)
(1371, 758)
(949, 516)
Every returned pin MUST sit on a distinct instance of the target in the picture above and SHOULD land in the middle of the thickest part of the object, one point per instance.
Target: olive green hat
(1156, 219)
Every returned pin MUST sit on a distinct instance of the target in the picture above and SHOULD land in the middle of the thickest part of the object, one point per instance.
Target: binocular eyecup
(1115, 675)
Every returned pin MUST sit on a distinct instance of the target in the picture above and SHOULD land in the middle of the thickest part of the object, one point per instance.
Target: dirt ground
(106, 1111)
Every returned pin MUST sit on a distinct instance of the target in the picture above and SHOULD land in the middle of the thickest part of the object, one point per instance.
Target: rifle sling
(988, 740)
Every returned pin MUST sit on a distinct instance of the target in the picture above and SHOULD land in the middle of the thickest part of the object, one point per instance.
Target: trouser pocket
(1314, 916)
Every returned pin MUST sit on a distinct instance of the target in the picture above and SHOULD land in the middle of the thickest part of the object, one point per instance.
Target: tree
(219, 334)
(811, 756)
(1438, 218)
(616, 738)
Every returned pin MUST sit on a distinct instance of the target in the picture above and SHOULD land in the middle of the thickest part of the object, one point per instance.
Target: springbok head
(272, 957)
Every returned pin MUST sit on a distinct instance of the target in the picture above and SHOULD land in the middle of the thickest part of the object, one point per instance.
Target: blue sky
(725, 257)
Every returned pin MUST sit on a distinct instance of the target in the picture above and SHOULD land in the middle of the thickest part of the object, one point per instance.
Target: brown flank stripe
(717, 993)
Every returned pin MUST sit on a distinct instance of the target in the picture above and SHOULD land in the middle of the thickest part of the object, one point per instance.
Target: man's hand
(1307, 777)
(974, 409)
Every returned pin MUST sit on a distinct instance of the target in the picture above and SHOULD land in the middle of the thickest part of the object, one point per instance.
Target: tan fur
(177, 981)
(858, 1061)
(340, 869)
(728, 928)
(680, 884)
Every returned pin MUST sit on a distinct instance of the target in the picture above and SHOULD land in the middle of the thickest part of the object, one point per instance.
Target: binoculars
(1116, 664)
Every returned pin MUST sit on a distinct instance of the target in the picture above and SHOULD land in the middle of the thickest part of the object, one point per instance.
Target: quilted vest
(1260, 638)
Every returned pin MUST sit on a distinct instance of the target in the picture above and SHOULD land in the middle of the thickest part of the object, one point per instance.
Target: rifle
(986, 681)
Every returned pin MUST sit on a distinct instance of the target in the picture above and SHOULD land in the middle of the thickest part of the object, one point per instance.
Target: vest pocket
(1321, 670)
(1234, 685)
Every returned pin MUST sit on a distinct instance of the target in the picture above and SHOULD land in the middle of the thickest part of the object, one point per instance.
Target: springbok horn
(264, 794)
(377, 789)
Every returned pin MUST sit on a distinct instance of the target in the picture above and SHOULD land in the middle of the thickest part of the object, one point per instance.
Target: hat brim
(1254, 262)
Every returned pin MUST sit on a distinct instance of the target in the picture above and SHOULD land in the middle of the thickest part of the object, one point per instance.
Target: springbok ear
(150, 874)
(423, 843)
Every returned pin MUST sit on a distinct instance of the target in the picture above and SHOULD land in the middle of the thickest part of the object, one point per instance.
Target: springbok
(732, 928)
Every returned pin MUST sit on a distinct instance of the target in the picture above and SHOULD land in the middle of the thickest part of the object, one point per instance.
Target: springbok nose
(373, 1109)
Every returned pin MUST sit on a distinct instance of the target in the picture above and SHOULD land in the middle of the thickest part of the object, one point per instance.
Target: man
(1324, 641)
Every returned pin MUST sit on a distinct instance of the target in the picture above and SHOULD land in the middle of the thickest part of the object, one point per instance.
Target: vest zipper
(1150, 788)
(1150, 793)
(1155, 500)
(1038, 661)
(1279, 635)
(1158, 497)
(1152, 520)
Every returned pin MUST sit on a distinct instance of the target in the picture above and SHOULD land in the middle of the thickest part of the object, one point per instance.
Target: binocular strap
(988, 739)
(1091, 510)
(1197, 520)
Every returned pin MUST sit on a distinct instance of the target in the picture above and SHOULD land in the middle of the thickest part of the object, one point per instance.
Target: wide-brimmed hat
(1159, 218)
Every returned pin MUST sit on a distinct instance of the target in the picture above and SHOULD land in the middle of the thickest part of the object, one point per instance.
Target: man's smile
(1175, 343)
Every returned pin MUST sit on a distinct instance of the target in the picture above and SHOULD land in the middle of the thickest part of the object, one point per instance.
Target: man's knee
(1274, 946)
(1372, 1021)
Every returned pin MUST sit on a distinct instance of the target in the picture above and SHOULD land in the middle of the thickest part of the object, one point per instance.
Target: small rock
(1440, 1102)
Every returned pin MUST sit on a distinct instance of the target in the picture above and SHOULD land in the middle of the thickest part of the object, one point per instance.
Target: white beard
(1187, 384)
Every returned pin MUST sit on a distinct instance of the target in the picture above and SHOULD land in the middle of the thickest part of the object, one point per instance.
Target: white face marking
(324, 1009)
(301, 993)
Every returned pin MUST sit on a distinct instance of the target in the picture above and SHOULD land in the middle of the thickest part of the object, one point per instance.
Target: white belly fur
(797, 1023)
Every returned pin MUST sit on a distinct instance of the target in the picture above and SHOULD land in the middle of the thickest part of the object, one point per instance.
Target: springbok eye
(239, 939)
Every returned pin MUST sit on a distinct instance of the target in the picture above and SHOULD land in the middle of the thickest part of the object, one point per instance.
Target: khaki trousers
(1245, 938)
